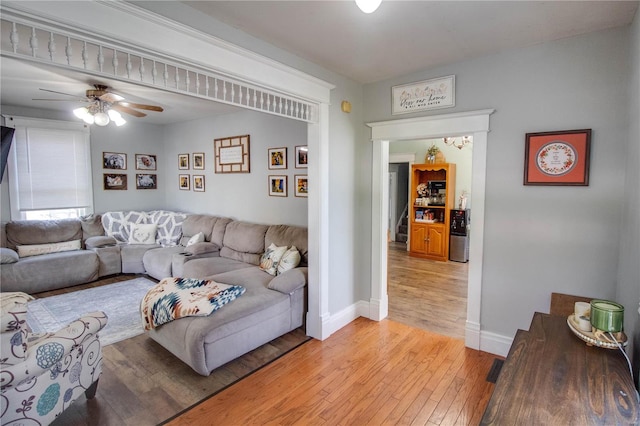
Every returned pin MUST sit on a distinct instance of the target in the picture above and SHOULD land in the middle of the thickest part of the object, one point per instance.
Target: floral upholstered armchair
(42, 374)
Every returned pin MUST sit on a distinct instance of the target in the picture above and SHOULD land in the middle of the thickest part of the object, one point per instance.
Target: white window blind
(50, 167)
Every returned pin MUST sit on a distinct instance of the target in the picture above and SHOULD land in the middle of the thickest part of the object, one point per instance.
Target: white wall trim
(347, 315)
(474, 123)
(495, 343)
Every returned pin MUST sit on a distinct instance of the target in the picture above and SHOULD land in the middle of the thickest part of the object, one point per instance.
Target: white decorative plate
(591, 339)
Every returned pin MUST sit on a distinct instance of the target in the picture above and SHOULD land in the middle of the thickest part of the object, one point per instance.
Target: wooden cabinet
(433, 192)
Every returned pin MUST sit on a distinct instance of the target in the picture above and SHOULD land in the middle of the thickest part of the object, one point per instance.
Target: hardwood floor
(367, 373)
(427, 294)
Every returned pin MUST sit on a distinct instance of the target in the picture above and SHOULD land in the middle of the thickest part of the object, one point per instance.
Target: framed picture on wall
(277, 158)
(198, 183)
(557, 158)
(184, 182)
(183, 161)
(114, 160)
(113, 181)
(301, 157)
(145, 162)
(301, 182)
(278, 185)
(146, 181)
(198, 161)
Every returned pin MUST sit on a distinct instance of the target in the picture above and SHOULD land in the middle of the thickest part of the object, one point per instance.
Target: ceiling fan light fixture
(101, 119)
(88, 119)
(368, 6)
(81, 112)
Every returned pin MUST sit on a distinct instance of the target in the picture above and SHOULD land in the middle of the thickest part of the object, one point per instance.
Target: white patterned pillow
(143, 234)
(290, 259)
(271, 257)
(198, 238)
(169, 226)
(118, 224)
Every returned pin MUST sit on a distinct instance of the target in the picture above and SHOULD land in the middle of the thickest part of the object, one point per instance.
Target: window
(49, 169)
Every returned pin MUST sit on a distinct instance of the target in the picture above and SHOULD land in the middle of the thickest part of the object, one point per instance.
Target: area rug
(120, 301)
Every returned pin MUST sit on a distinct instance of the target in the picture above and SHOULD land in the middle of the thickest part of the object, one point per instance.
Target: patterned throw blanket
(174, 298)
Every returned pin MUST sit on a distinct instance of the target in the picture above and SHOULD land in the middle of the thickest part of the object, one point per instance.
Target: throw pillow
(290, 259)
(271, 257)
(202, 248)
(8, 256)
(38, 249)
(143, 234)
(198, 238)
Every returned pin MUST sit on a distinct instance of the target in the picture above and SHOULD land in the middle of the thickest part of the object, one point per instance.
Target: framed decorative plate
(557, 158)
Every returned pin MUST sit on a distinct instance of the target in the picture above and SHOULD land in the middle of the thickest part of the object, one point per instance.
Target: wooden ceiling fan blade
(111, 97)
(142, 106)
(127, 110)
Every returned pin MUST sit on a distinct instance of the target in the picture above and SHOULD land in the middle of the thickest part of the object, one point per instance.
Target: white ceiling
(401, 37)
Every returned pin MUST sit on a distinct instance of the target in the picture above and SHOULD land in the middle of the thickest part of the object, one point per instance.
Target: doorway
(474, 123)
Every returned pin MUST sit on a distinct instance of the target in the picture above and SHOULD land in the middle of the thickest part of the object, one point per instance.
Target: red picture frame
(557, 158)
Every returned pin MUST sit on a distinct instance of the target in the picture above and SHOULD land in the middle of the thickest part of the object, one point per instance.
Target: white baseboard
(496, 344)
(475, 338)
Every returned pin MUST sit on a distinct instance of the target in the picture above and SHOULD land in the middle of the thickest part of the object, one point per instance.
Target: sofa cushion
(132, 255)
(91, 226)
(35, 274)
(27, 232)
(206, 267)
(290, 281)
(158, 262)
(8, 256)
(244, 241)
(290, 259)
(99, 242)
(143, 233)
(289, 235)
(40, 249)
(202, 248)
(271, 257)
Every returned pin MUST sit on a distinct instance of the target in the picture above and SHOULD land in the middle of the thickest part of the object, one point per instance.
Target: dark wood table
(551, 377)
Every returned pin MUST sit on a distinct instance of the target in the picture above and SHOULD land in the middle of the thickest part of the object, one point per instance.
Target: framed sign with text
(424, 95)
(232, 154)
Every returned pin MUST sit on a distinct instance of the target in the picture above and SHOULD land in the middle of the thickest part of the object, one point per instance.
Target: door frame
(475, 123)
(393, 204)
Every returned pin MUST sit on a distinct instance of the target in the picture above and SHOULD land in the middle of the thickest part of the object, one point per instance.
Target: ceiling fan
(104, 106)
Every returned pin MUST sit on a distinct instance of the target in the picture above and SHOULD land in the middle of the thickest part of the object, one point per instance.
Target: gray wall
(135, 137)
(239, 195)
(629, 271)
(540, 239)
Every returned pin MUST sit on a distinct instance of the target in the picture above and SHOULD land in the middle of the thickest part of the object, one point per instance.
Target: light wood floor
(427, 294)
(367, 373)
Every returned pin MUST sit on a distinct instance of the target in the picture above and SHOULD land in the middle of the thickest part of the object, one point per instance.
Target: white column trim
(474, 123)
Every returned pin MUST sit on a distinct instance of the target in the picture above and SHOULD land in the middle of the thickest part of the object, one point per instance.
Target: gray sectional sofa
(228, 252)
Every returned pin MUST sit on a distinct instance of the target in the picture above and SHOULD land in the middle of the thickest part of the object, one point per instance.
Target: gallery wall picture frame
(277, 158)
(435, 93)
(114, 181)
(184, 182)
(198, 183)
(183, 161)
(114, 160)
(146, 181)
(278, 185)
(198, 161)
(146, 162)
(302, 156)
(301, 185)
(232, 154)
(559, 158)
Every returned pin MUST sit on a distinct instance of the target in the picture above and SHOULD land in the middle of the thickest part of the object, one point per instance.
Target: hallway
(427, 294)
